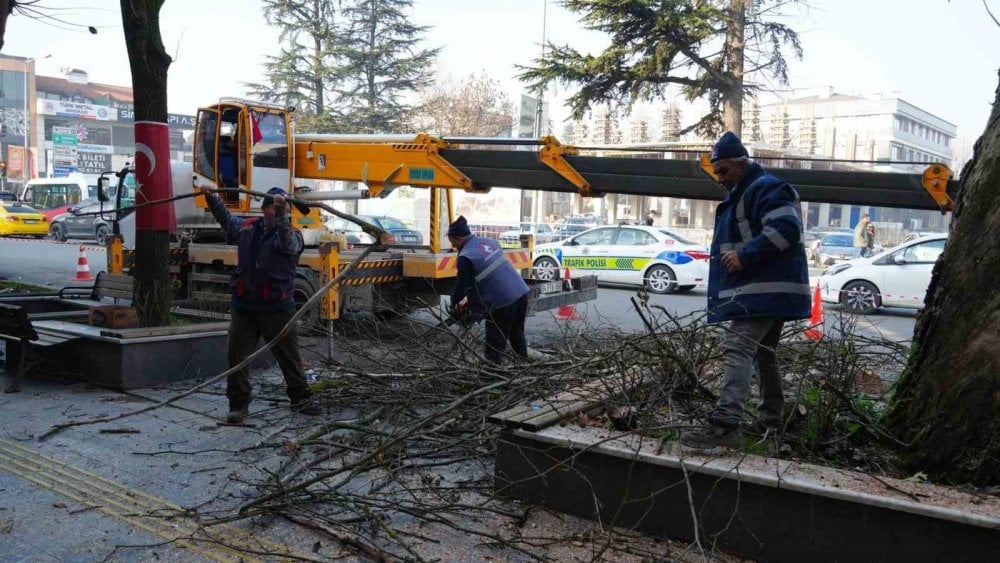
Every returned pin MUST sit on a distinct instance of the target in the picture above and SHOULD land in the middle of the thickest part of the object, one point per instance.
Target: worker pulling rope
(379, 234)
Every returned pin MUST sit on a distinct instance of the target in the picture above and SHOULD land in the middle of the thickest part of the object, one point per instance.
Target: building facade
(68, 126)
(17, 121)
(882, 132)
(88, 128)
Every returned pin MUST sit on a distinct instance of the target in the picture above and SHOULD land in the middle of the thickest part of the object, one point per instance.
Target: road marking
(139, 509)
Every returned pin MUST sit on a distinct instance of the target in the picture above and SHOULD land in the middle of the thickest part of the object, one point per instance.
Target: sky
(940, 56)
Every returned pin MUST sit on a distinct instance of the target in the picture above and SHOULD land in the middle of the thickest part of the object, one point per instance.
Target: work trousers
(749, 341)
(507, 325)
(245, 330)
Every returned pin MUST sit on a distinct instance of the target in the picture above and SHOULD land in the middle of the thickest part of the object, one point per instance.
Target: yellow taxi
(17, 219)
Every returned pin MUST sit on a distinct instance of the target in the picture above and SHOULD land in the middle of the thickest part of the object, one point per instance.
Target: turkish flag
(255, 124)
(152, 172)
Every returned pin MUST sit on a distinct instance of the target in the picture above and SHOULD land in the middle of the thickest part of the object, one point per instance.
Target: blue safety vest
(761, 220)
(498, 284)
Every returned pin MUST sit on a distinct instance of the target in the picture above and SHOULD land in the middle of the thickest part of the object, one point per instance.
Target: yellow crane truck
(250, 145)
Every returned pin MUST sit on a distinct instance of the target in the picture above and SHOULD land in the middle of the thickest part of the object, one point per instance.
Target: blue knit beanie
(729, 146)
(273, 192)
(460, 228)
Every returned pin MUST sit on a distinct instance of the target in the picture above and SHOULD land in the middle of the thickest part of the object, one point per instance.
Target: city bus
(52, 196)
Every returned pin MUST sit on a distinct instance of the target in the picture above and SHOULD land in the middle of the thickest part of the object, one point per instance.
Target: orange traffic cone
(815, 330)
(82, 267)
(567, 313)
(566, 273)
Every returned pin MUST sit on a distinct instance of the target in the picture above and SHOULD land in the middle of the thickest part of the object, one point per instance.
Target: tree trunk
(947, 404)
(732, 95)
(6, 7)
(149, 63)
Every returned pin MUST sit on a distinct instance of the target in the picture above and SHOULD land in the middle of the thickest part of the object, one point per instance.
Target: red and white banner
(152, 175)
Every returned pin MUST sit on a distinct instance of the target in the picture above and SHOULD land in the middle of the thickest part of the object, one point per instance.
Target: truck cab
(246, 145)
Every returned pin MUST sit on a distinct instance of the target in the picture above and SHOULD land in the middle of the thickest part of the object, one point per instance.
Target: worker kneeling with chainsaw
(489, 287)
(263, 302)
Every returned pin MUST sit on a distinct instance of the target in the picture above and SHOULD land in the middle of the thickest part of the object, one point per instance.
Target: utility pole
(537, 204)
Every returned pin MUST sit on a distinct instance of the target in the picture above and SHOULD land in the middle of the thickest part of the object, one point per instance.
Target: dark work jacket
(264, 279)
(761, 220)
(486, 276)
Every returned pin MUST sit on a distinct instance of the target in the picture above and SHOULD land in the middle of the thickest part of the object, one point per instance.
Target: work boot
(760, 427)
(710, 436)
(307, 406)
(237, 416)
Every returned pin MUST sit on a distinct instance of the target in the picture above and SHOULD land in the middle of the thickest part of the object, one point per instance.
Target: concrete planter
(756, 507)
(141, 357)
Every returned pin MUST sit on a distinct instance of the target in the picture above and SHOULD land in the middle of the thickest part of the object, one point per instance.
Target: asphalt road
(46, 262)
(613, 306)
(53, 264)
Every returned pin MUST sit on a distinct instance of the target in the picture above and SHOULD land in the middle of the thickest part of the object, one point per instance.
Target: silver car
(543, 234)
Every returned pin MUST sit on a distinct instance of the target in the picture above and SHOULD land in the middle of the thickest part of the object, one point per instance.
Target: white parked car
(663, 261)
(896, 278)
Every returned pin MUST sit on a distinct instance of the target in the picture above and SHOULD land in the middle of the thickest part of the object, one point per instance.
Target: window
(634, 237)
(272, 150)
(595, 237)
(544, 229)
(389, 223)
(204, 156)
(925, 253)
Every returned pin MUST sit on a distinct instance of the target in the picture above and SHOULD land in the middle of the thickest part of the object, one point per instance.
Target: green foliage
(754, 446)
(656, 45)
(346, 70)
(18, 287)
(306, 69)
(381, 61)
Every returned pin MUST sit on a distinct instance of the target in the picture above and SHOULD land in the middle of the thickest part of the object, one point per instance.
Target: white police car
(663, 261)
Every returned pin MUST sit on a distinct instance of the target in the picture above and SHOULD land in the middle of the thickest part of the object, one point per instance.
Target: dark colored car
(79, 224)
(400, 232)
(8, 196)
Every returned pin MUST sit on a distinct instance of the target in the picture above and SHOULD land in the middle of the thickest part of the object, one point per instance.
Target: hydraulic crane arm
(383, 162)
(246, 144)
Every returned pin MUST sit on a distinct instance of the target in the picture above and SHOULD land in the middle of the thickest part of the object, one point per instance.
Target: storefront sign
(15, 161)
(64, 150)
(173, 119)
(77, 110)
(93, 163)
(87, 147)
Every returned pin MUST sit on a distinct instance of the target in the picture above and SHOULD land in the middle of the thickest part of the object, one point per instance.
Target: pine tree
(382, 62)
(305, 73)
(659, 44)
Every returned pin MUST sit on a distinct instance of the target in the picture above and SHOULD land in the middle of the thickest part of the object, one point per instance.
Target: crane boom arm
(383, 163)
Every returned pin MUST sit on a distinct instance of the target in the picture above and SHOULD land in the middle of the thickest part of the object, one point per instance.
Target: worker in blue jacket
(758, 279)
(490, 288)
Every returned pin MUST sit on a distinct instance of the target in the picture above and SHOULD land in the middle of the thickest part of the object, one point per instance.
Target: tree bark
(149, 63)
(732, 94)
(947, 403)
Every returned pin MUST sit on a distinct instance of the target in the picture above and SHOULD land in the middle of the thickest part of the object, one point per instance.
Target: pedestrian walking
(870, 239)
(489, 287)
(262, 289)
(758, 279)
(861, 235)
(650, 218)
